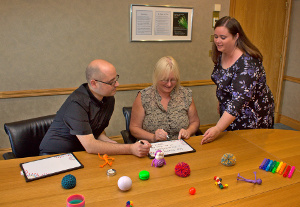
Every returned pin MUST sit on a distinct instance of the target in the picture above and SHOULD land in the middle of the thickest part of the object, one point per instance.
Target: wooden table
(164, 188)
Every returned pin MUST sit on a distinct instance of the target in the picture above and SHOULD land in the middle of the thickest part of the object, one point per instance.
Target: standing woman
(245, 100)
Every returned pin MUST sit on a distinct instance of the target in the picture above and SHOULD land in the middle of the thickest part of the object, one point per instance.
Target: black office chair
(127, 136)
(198, 133)
(25, 136)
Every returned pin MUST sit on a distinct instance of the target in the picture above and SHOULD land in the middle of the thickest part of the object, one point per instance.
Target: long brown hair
(243, 43)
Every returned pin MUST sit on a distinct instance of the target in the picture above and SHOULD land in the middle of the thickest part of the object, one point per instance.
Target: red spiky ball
(182, 169)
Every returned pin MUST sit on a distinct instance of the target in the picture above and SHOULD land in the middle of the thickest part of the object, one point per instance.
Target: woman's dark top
(242, 91)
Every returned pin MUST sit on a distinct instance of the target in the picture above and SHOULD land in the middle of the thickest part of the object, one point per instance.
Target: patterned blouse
(242, 91)
(172, 120)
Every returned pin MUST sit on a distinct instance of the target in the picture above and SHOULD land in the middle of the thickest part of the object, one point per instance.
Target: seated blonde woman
(164, 110)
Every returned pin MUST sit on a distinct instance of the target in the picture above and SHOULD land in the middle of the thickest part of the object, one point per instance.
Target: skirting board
(289, 122)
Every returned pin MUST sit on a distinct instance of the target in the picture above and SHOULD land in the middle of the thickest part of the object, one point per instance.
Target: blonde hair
(163, 68)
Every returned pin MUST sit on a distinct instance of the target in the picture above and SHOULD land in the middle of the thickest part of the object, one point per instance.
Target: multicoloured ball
(228, 159)
(68, 182)
(182, 169)
(129, 204)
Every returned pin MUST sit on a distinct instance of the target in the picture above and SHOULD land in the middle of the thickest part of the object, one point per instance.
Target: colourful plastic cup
(76, 200)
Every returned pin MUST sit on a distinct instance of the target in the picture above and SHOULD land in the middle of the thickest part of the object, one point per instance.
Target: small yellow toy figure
(106, 159)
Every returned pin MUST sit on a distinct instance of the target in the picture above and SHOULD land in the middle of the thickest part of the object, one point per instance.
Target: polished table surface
(164, 188)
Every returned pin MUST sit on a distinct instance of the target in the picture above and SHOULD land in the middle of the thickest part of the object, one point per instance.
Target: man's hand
(140, 148)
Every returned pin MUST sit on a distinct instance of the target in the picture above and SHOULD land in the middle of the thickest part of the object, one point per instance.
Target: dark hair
(243, 43)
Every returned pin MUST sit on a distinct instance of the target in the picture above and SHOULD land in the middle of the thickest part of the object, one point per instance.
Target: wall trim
(289, 122)
(67, 91)
(292, 79)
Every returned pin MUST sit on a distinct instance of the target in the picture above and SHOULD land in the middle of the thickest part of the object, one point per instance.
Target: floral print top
(172, 120)
(242, 91)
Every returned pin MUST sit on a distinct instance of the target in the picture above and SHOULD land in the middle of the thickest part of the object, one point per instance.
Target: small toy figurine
(218, 182)
(256, 181)
(106, 159)
(159, 159)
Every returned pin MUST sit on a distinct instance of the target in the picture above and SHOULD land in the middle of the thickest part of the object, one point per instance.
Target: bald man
(80, 122)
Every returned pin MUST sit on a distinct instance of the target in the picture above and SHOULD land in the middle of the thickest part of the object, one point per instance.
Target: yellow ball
(228, 159)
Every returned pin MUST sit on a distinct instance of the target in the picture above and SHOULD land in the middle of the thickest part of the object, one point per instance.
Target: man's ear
(93, 83)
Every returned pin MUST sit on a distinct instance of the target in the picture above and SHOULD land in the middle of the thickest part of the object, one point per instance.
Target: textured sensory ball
(68, 182)
(182, 169)
(228, 159)
(129, 204)
(124, 183)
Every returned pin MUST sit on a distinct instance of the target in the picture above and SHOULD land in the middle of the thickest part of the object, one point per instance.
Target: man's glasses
(112, 83)
(169, 80)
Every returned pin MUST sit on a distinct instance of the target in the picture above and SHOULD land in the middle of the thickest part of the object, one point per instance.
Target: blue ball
(68, 182)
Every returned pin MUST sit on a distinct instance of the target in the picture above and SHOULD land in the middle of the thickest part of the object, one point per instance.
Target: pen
(287, 171)
(263, 163)
(279, 166)
(141, 142)
(291, 172)
(275, 167)
(272, 166)
(282, 169)
(266, 164)
(269, 165)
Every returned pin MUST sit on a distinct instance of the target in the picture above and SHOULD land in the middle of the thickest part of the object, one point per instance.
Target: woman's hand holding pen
(160, 135)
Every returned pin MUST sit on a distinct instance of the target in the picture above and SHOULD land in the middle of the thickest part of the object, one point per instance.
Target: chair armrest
(127, 137)
(198, 133)
(9, 155)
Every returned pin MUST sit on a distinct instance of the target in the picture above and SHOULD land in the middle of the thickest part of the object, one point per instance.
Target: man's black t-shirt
(81, 114)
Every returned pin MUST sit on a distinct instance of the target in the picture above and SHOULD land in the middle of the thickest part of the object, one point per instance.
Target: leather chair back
(127, 137)
(127, 114)
(25, 136)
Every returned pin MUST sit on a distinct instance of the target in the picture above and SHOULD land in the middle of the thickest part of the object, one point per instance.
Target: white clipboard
(49, 166)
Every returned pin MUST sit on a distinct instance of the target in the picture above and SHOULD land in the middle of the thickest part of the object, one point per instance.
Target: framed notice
(50, 166)
(172, 147)
(160, 23)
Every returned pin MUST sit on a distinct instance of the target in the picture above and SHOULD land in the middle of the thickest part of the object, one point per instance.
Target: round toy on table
(228, 159)
(124, 183)
(68, 181)
(182, 169)
(144, 175)
(192, 191)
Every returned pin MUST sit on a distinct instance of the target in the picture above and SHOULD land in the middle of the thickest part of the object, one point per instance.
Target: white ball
(124, 183)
